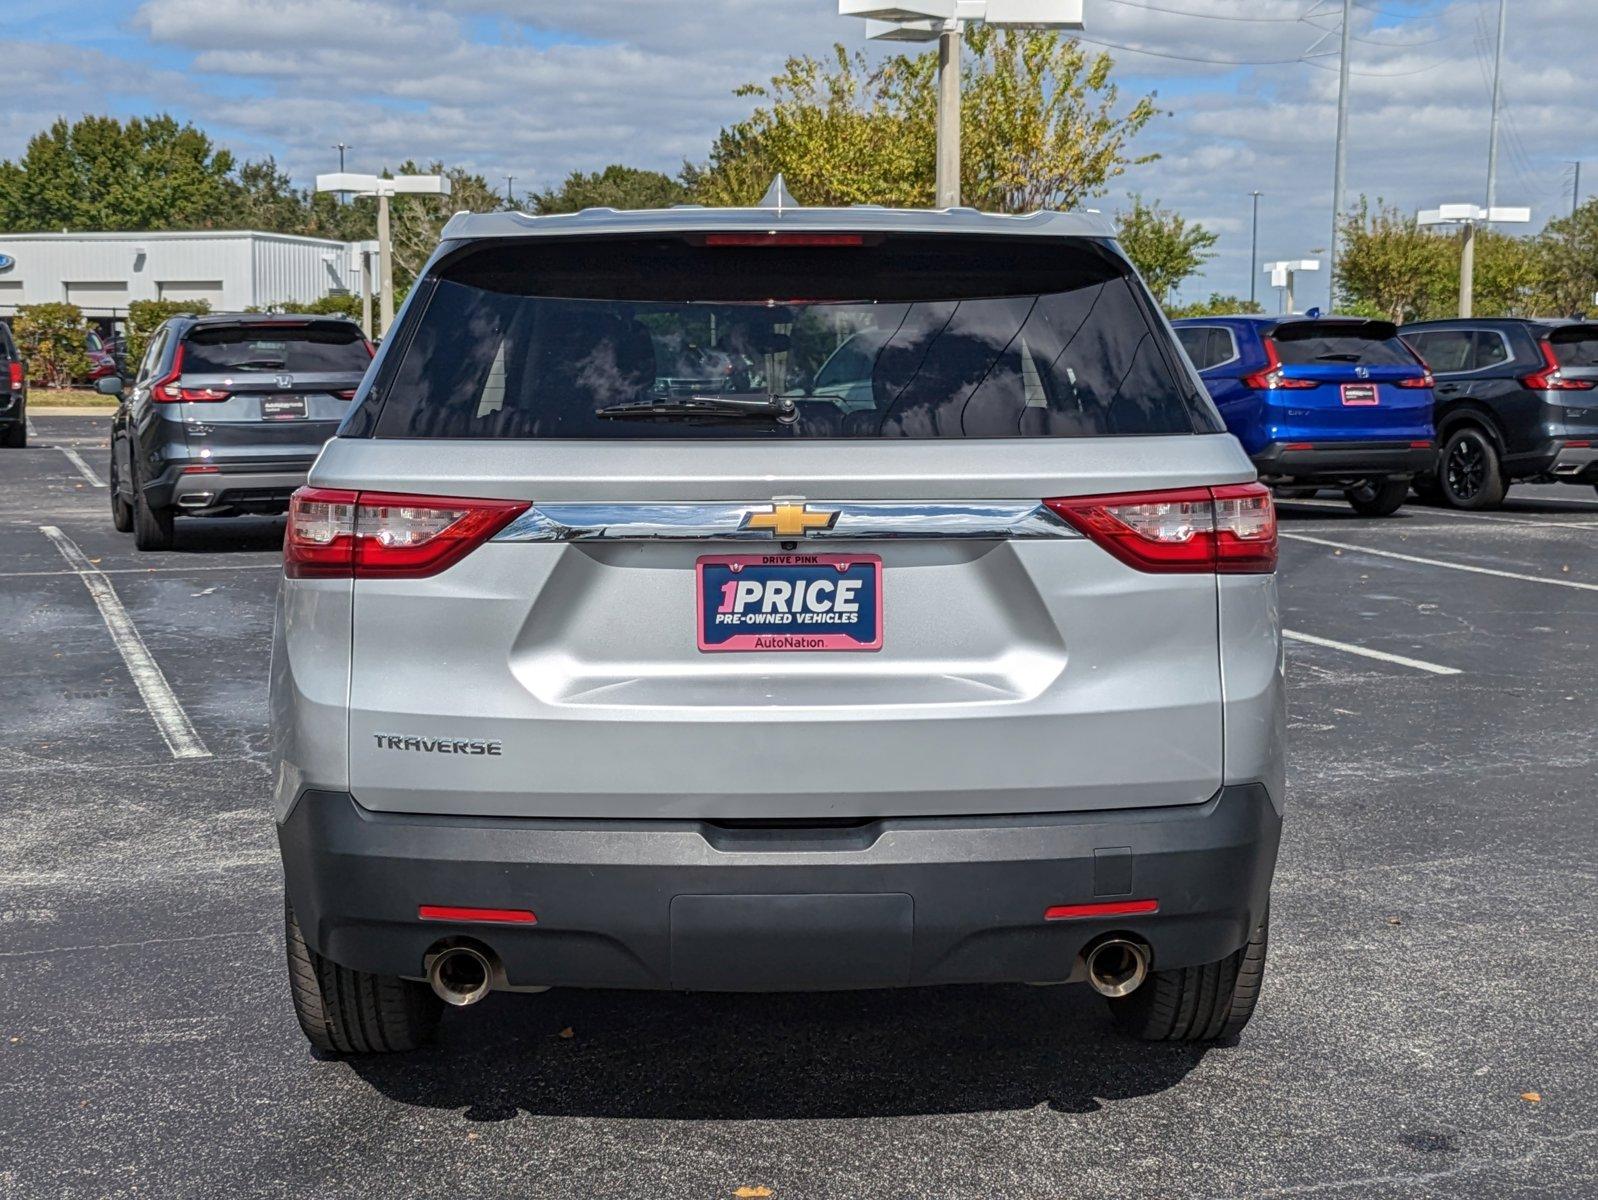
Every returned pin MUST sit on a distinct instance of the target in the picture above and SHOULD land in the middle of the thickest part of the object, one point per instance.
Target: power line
(1214, 62)
(1176, 12)
(1376, 74)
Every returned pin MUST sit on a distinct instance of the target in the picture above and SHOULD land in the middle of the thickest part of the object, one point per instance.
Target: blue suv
(1320, 401)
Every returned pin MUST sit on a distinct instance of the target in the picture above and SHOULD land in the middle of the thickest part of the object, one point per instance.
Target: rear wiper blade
(1353, 358)
(764, 406)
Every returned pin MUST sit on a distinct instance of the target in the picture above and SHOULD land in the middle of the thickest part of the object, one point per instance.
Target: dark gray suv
(226, 414)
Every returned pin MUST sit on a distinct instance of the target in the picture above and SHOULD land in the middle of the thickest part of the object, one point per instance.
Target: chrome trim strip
(857, 520)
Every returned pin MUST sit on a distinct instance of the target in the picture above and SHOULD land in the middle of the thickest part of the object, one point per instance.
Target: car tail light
(365, 535)
(346, 394)
(1229, 530)
(16, 376)
(1425, 380)
(1550, 379)
(1271, 378)
(166, 390)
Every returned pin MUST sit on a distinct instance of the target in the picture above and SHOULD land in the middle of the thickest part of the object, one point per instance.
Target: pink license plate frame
(784, 642)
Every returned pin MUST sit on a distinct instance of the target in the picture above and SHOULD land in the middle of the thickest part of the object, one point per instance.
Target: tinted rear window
(900, 338)
(1207, 345)
(231, 349)
(1370, 344)
(1576, 346)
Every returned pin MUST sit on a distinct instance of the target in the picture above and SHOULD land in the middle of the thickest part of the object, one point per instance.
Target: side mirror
(109, 385)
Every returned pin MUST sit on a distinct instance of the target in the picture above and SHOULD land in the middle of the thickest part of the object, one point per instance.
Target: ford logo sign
(7, 262)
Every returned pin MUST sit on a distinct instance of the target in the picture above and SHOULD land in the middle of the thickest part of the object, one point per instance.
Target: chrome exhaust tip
(196, 500)
(1117, 966)
(460, 975)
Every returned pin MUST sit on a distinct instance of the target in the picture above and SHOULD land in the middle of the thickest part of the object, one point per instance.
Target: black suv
(1516, 400)
(226, 415)
(13, 393)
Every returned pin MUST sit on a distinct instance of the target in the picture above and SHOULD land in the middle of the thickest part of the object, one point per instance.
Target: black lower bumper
(262, 486)
(1343, 460)
(692, 905)
(1559, 460)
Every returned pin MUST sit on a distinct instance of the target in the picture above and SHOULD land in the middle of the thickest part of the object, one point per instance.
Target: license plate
(1359, 393)
(282, 408)
(790, 602)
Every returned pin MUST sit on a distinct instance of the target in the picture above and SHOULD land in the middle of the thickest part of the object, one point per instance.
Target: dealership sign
(6, 263)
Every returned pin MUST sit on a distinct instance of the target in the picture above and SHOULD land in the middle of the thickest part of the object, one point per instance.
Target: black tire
(121, 510)
(1292, 492)
(1378, 497)
(1197, 1004)
(1469, 472)
(16, 437)
(152, 527)
(343, 1011)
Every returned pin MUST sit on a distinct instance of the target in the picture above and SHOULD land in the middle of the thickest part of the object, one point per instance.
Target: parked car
(1517, 400)
(13, 393)
(1320, 401)
(579, 684)
(102, 359)
(225, 416)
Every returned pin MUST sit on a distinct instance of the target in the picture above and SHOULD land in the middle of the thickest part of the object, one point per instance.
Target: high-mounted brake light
(1272, 377)
(1227, 530)
(784, 239)
(1551, 379)
(341, 534)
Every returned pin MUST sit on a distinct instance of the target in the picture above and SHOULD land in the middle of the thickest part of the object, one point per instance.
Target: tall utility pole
(510, 193)
(1575, 188)
(1254, 249)
(384, 189)
(1492, 126)
(947, 185)
(1340, 161)
(341, 147)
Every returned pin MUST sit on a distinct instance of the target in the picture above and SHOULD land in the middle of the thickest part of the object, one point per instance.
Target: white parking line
(1401, 526)
(1418, 664)
(84, 469)
(271, 566)
(1437, 562)
(154, 690)
(27, 422)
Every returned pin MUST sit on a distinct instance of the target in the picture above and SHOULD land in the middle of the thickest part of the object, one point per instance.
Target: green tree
(265, 198)
(53, 340)
(1165, 247)
(617, 186)
(1218, 305)
(418, 220)
(1567, 253)
(145, 317)
(1041, 126)
(98, 173)
(1391, 265)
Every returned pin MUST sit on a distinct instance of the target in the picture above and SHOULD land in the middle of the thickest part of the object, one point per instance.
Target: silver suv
(614, 651)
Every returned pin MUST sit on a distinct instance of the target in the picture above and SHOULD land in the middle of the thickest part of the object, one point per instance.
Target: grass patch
(68, 398)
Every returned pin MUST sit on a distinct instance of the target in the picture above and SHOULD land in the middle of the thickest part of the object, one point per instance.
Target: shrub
(145, 317)
(327, 306)
(53, 340)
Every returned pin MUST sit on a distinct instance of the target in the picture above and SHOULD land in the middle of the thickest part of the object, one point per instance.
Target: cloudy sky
(536, 88)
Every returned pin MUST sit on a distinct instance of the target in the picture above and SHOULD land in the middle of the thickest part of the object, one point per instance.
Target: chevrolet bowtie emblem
(789, 520)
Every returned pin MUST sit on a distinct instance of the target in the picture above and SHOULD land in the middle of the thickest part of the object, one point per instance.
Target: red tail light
(368, 535)
(1228, 530)
(1270, 379)
(16, 377)
(1549, 379)
(347, 393)
(1423, 381)
(165, 390)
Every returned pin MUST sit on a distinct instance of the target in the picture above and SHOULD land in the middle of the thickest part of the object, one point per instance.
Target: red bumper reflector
(1108, 908)
(1420, 445)
(501, 916)
(201, 471)
(1577, 445)
(1299, 446)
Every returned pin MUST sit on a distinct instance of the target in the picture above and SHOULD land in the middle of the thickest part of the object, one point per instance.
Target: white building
(102, 272)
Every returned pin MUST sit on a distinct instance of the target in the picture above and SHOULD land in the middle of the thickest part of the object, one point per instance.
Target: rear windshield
(893, 338)
(1370, 344)
(1576, 346)
(331, 347)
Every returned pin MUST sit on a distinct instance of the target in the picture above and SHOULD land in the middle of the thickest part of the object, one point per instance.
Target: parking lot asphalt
(1429, 1024)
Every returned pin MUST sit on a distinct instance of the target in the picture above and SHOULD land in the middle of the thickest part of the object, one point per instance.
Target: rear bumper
(691, 905)
(1559, 460)
(1343, 460)
(255, 487)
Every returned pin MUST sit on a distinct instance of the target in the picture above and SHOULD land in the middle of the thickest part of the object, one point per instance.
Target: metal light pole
(1492, 126)
(1575, 188)
(510, 190)
(1254, 249)
(943, 21)
(1341, 158)
(341, 147)
(384, 189)
(1468, 216)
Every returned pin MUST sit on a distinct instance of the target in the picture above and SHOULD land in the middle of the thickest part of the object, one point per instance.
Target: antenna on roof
(778, 196)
